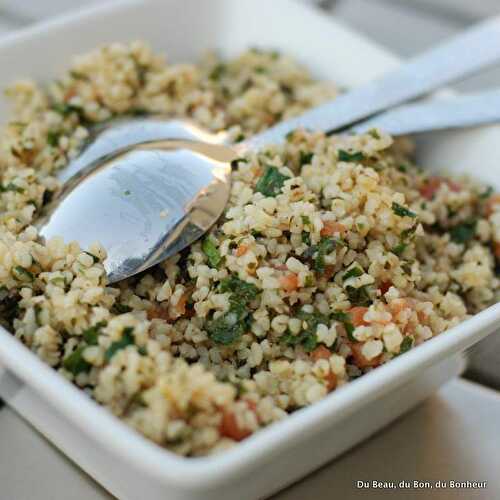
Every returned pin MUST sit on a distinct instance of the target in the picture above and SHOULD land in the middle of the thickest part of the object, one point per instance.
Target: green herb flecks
(358, 296)
(307, 337)
(120, 309)
(91, 335)
(464, 232)
(94, 257)
(399, 249)
(486, 194)
(402, 211)
(271, 182)
(53, 138)
(212, 253)
(217, 72)
(305, 158)
(11, 187)
(241, 290)
(354, 272)
(22, 274)
(324, 247)
(406, 345)
(75, 364)
(66, 109)
(345, 319)
(354, 157)
(231, 325)
(126, 340)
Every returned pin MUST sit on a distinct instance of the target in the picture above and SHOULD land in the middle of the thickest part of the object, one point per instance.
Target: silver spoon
(145, 202)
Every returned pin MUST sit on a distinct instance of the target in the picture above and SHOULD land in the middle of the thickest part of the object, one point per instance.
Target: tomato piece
(357, 314)
(321, 352)
(241, 250)
(289, 282)
(331, 227)
(360, 360)
(229, 426)
(432, 185)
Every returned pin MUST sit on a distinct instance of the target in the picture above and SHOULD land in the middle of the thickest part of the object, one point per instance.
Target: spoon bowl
(143, 203)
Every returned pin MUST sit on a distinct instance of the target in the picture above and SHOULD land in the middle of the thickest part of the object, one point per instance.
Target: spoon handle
(437, 114)
(464, 54)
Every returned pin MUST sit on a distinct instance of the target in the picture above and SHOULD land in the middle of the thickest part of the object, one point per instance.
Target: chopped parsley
(234, 163)
(22, 274)
(399, 248)
(374, 133)
(212, 253)
(120, 309)
(345, 319)
(402, 168)
(402, 211)
(66, 109)
(305, 220)
(231, 325)
(358, 296)
(354, 157)
(463, 232)
(354, 272)
(90, 335)
(241, 290)
(53, 138)
(305, 158)
(307, 337)
(126, 340)
(75, 364)
(486, 194)
(306, 238)
(271, 182)
(325, 246)
(94, 257)
(11, 187)
(406, 345)
(217, 72)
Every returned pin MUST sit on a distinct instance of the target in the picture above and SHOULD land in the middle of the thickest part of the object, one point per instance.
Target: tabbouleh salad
(334, 255)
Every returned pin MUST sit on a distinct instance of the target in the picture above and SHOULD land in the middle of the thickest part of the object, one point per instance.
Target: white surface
(261, 464)
(50, 470)
(442, 439)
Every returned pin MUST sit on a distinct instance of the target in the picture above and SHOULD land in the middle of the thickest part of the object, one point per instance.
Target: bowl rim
(200, 473)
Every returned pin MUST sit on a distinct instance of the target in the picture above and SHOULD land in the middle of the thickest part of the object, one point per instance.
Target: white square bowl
(120, 459)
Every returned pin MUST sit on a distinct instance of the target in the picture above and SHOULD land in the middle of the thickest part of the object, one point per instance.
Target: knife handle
(465, 54)
(437, 114)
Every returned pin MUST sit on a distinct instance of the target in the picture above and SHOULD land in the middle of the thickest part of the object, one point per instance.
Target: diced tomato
(357, 315)
(432, 185)
(360, 360)
(157, 312)
(289, 282)
(321, 352)
(496, 250)
(384, 287)
(229, 425)
(331, 227)
(489, 206)
(331, 381)
(397, 305)
(241, 250)
(180, 307)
